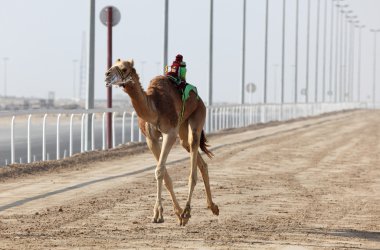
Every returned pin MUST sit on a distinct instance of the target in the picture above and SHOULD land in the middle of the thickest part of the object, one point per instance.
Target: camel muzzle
(112, 78)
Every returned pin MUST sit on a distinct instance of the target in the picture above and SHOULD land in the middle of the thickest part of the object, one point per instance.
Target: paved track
(311, 183)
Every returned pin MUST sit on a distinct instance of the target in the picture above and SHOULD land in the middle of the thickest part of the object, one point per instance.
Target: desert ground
(304, 184)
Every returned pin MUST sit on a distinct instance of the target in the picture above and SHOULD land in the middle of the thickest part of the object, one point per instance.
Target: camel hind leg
(202, 165)
(203, 168)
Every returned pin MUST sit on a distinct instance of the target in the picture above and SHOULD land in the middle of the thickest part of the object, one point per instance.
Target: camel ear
(131, 62)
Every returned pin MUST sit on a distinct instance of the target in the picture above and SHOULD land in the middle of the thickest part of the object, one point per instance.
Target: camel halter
(120, 76)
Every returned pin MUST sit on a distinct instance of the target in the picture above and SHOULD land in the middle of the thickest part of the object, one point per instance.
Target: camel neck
(141, 102)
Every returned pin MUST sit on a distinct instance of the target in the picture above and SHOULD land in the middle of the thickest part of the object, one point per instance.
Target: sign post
(109, 16)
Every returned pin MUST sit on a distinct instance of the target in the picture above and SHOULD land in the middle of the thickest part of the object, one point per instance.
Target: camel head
(120, 74)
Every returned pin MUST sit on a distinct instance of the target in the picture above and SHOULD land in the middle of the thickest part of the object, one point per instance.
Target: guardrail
(218, 118)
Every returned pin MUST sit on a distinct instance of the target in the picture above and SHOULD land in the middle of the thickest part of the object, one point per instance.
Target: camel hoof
(214, 208)
(183, 221)
(186, 213)
(158, 220)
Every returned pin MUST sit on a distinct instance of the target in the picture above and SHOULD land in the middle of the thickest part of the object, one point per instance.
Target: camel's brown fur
(158, 110)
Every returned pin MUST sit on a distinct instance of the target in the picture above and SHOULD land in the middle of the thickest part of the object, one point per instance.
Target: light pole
(210, 52)
(283, 53)
(307, 52)
(324, 54)
(296, 56)
(243, 52)
(345, 64)
(266, 52)
(5, 59)
(317, 54)
(166, 33)
(74, 77)
(331, 50)
(359, 58)
(275, 67)
(90, 73)
(336, 55)
(351, 60)
(374, 31)
(342, 32)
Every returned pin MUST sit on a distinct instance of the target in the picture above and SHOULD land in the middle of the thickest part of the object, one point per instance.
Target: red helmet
(175, 67)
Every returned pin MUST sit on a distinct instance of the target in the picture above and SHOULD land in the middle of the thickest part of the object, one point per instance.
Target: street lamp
(347, 52)
(324, 53)
(243, 52)
(375, 31)
(74, 77)
(296, 55)
(5, 59)
(307, 52)
(283, 53)
(317, 55)
(342, 31)
(359, 58)
(266, 51)
(351, 59)
(210, 52)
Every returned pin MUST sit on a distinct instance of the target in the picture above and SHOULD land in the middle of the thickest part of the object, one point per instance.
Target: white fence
(50, 141)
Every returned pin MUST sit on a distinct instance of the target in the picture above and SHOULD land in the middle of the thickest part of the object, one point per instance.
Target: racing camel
(162, 113)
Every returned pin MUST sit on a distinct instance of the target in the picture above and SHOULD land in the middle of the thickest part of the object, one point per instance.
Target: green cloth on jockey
(185, 94)
(187, 90)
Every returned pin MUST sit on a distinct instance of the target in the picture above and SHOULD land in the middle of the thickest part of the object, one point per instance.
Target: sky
(42, 38)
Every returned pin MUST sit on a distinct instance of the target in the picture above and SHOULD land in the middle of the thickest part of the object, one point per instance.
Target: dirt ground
(305, 184)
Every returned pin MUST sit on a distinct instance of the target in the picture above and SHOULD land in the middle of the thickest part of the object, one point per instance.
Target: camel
(159, 113)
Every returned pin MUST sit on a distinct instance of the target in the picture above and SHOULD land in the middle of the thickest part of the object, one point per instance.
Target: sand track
(311, 183)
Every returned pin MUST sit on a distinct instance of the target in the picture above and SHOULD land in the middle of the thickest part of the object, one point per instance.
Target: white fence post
(44, 138)
(13, 140)
(58, 146)
(29, 141)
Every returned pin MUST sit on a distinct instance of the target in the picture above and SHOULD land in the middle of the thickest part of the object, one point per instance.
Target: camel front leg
(167, 143)
(154, 146)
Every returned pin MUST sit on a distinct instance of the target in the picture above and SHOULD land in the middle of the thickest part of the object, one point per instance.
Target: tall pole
(266, 52)
(331, 50)
(336, 56)
(324, 54)
(109, 65)
(307, 52)
(166, 33)
(341, 32)
(243, 52)
(374, 65)
(5, 75)
(374, 68)
(90, 71)
(359, 60)
(352, 62)
(283, 53)
(344, 64)
(296, 56)
(210, 52)
(317, 54)
(74, 77)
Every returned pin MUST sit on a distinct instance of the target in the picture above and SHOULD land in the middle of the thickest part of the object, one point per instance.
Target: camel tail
(203, 145)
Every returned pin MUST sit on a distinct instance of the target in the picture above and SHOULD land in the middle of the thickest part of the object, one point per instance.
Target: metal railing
(218, 118)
